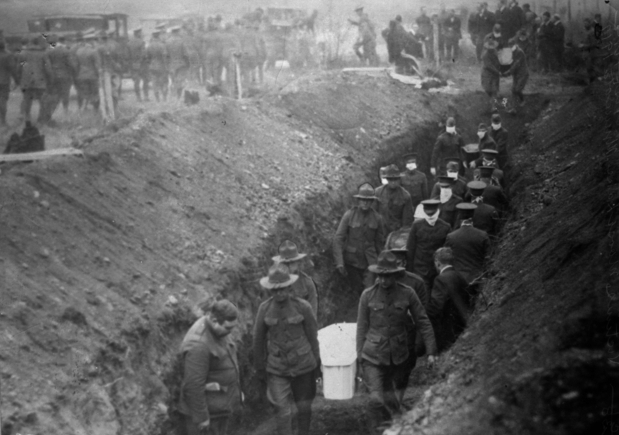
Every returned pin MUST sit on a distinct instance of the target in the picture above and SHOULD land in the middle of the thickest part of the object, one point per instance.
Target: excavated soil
(104, 257)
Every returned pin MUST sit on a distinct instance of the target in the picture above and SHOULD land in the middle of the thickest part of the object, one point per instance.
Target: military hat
(386, 264)
(397, 240)
(359, 8)
(366, 191)
(288, 253)
(449, 160)
(430, 204)
(410, 157)
(451, 122)
(444, 180)
(486, 171)
(392, 172)
(476, 186)
(466, 209)
(482, 126)
(489, 152)
(278, 277)
(496, 118)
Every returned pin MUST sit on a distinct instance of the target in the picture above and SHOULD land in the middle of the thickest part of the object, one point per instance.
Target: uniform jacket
(305, 288)
(415, 282)
(423, 240)
(470, 247)
(63, 63)
(286, 338)
(88, 63)
(416, 184)
(458, 188)
(35, 69)
(544, 35)
(359, 238)
(486, 218)
(111, 59)
(395, 206)
(500, 137)
(494, 196)
(490, 69)
(425, 25)
(157, 57)
(136, 50)
(519, 70)
(448, 210)
(8, 68)
(208, 359)
(177, 52)
(487, 142)
(447, 145)
(383, 324)
(557, 36)
(450, 306)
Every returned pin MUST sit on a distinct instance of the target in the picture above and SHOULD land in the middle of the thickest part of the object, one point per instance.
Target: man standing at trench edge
(383, 333)
(286, 353)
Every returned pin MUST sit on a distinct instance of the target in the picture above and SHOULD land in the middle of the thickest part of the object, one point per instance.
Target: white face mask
(481, 134)
(496, 126)
(450, 130)
(384, 181)
(445, 194)
(497, 35)
(453, 175)
(411, 166)
(514, 48)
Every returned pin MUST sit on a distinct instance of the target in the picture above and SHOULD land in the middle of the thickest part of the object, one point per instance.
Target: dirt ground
(104, 257)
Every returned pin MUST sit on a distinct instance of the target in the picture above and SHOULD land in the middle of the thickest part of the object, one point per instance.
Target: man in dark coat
(305, 287)
(286, 352)
(158, 65)
(452, 33)
(485, 140)
(490, 70)
(394, 203)
(448, 144)
(544, 43)
(426, 236)
(178, 61)
(493, 194)
(399, 40)
(8, 71)
(448, 200)
(383, 334)
(458, 187)
(491, 173)
(501, 15)
(501, 137)
(557, 40)
(138, 64)
(414, 181)
(496, 35)
(359, 239)
(485, 217)
(450, 305)
(425, 29)
(516, 20)
(64, 69)
(211, 389)
(470, 245)
(480, 25)
(35, 73)
(519, 70)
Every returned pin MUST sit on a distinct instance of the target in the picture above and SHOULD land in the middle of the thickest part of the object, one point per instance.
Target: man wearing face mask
(497, 36)
(358, 240)
(493, 193)
(501, 137)
(519, 71)
(305, 287)
(286, 351)
(384, 351)
(452, 165)
(414, 181)
(393, 202)
(448, 144)
(491, 174)
(448, 201)
(450, 305)
(426, 236)
(210, 390)
(488, 158)
(485, 140)
(485, 217)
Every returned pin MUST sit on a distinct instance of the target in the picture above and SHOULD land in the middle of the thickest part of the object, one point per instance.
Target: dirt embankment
(540, 355)
(103, 258)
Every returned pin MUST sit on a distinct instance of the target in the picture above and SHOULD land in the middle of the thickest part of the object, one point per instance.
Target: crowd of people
(414, 255)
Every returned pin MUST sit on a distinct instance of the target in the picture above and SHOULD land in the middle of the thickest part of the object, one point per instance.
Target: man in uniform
(485, 139)
(35, 73)
(493, 194)
(519, 70)
(366, 38)
(500, 136)
(448, 201)
(304, 287)
(485, 217)
(458, 187)
(8, 70)
(414, 181)
(470, 245)
(426, 236)
(286, 352)
(425, 30)
(138, 63)
(383, 349)
(157, 58)
(450, 304)
(448, 144)
(211, 388)
(393, 202)
(479, 26)
(359, 239)
(489, 159)
(64, 68)
(491, 69)
(179, 61)
(88, 69)
(111, 66)
(452, 33)
(396, 243)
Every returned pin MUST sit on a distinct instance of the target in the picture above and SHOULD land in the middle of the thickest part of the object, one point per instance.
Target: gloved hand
(342, 270)
(433, 171)
(472, 165)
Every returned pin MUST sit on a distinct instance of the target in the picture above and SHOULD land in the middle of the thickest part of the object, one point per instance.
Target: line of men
(416, 256)
(415, 263)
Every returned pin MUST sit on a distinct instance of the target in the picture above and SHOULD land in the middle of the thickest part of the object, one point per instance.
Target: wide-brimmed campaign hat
(288, 253)
(392, 172)
(278, 278)
(397, 240)
(366, 191)
(386, 264)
